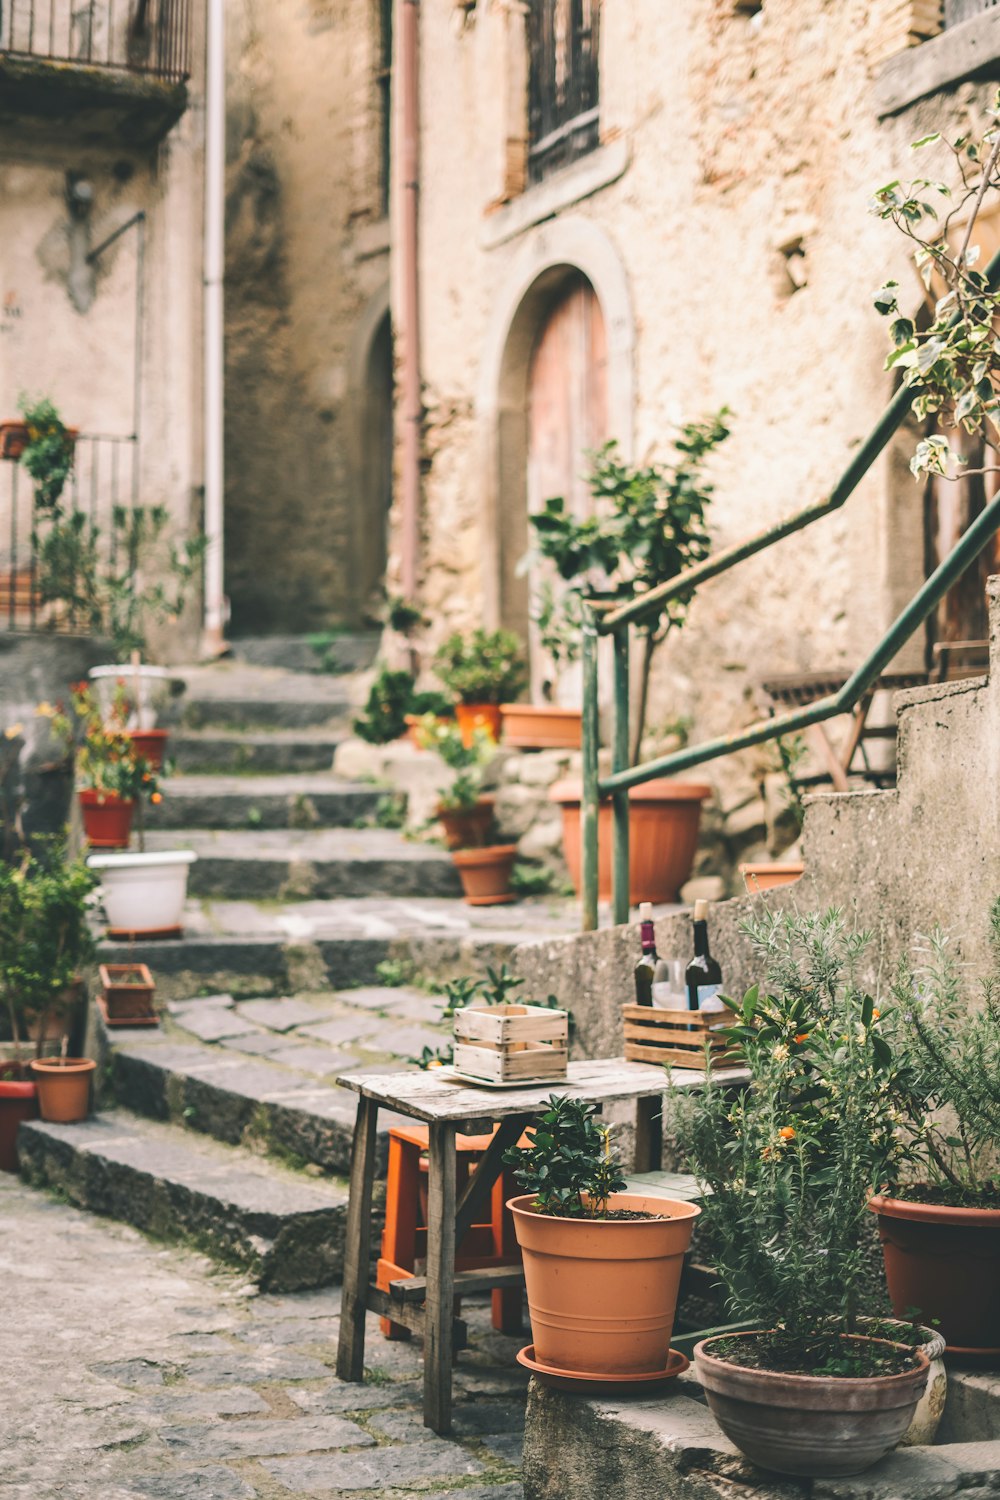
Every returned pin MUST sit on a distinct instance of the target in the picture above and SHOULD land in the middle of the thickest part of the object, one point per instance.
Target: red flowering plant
(102, 750)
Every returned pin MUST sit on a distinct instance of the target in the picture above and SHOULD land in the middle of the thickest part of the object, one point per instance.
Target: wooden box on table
(677, 1037)
(511, 1043)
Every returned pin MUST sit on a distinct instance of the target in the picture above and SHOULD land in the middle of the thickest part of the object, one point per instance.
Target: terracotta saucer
(582, 1380)
(143, 935)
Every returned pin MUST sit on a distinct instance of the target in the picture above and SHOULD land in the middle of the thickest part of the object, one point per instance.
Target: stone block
(516, 809)
(356, 760)
(907, 1474)
(542, 839)
(211, 1483)
(279, 1015)
(747, 824)
(253, 1439)
(378, 1470)
(544, 767)
(972, 1411)
(703, 888)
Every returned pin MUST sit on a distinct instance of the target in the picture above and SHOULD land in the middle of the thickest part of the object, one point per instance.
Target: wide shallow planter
(602, 1293)
(466, 827)
(768, 875)
(930, 1408)
(526, 727)
(63, 1088)
(812, 1426)
(943, 1266)
(127, 992)
(664, 817)
(18, 1101)
(485, 873)
(151, 744)
(144, 894)
(473, 716)
(107, 819)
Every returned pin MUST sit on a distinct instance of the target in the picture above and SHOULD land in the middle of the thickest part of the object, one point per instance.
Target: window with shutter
(562, 82)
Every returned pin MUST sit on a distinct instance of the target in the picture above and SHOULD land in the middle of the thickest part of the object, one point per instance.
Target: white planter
(144, 893)
(148, 688)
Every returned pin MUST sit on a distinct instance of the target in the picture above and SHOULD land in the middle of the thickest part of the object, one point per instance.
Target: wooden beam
(414, 1288)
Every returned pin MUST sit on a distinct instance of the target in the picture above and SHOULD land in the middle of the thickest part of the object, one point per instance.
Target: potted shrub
(602, 1266)
(466, 815)
(786, 1168)
(482, 669)
(45, 940)
(940, 1229)
(110, 775)
(45, 446)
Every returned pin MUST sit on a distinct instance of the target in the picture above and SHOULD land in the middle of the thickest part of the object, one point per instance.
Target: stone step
(306, 800)
(321, 864)
(242, 696)
(261, 1073)
(232, 752)
(347, 651)
(284, 1229)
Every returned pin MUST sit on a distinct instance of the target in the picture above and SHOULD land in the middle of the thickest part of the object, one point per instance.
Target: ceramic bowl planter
(18, 1101)
(485, 873)
(126, 997)
(930, 1408)
(144, 894)
(812, 1426)
(602, 1292)
(944, 1262)
(664, 817)
(466, 827)
(63, 1088)
(107, 819)
(528, 728)
(767, 876)
(473, 716)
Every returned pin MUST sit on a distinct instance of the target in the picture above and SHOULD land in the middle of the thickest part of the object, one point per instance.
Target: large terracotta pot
(473, 716)
(813, 1426)
(602, 1293)
(526, 727)
(943, 1266)
(63, 1088)
(466, 827)
(768, 875)
(107, 819)
(664, 817)
(485, 873)
(151, 744)
(18, 1101)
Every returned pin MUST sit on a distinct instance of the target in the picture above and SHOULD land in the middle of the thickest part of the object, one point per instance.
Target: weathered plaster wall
(742, 135)
(84, 360)
(307, 275)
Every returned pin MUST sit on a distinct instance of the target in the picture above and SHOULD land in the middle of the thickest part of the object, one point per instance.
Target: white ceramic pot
(144, 893)
(147, 687)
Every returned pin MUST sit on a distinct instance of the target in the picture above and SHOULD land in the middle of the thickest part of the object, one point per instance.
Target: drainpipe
(213, 642)
(409, 291)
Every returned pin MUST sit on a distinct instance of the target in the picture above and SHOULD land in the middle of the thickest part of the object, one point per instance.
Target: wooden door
(567, 416)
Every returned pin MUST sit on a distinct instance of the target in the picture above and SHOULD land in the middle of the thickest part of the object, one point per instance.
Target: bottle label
(708, 997)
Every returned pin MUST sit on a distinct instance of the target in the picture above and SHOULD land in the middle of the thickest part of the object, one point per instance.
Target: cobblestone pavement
(135, 1371)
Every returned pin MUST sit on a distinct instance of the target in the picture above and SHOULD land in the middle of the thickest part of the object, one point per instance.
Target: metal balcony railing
(147, 37)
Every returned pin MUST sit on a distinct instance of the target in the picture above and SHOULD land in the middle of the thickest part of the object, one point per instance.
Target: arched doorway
(567, 405)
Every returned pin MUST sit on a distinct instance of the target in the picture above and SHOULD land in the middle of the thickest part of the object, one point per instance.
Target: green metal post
(619, 762)
(589, 804)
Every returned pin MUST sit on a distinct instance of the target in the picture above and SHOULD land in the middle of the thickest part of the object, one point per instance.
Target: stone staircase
(225, 1127)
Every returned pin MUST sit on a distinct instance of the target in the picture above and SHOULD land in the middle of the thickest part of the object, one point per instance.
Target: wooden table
(426, 1304)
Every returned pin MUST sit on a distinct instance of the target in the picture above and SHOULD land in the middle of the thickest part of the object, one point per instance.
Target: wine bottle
(646, 967)
(702, 977)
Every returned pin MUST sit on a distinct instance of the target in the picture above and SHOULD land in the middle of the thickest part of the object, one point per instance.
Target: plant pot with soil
(144, 894)
(63, 1088)
(602, 1266)
(481, 669)
(785, 1165)
(18, 1102)
(664, 818)
(127, 992)
(485, 873)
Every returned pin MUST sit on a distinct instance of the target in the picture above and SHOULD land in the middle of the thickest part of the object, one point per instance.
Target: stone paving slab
(109, 1309)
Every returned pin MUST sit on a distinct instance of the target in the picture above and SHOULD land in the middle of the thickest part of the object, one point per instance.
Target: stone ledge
(545, 199)
(961, 52)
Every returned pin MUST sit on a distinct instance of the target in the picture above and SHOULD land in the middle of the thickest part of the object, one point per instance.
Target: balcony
(102, 70)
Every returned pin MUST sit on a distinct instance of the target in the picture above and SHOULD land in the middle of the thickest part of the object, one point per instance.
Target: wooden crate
(676, 1037)
(511, 1043)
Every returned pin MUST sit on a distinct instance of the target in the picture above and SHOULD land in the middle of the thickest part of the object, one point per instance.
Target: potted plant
(547, 726)
(45, 940)
(45, 447)
(126, 997)
(110, 775)
(602, 1266)
(466, 815)
(786, 1168)
(482, 669)
(648, 525)
(940, 1229)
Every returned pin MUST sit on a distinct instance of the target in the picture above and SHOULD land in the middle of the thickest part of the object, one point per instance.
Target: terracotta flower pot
(945, 1263)
(767, 875)
(13, 439)
(18, 1101)
(473, 716)
(466, 827)
(107, 819)
(602, 1292)
(63, 1088)
(485, 873)
(813, 1426)
(526, 727)
(151, 744)
(664, 817)
(127, 993)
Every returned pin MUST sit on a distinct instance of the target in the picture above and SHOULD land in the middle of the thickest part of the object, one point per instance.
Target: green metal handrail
(617, 622)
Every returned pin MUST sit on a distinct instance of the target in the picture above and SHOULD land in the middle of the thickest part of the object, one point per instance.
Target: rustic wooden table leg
(357, 1245)
(649, 1133)
(438, 1306)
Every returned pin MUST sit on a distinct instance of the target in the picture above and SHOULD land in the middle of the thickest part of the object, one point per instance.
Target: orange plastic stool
(404, 1238)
